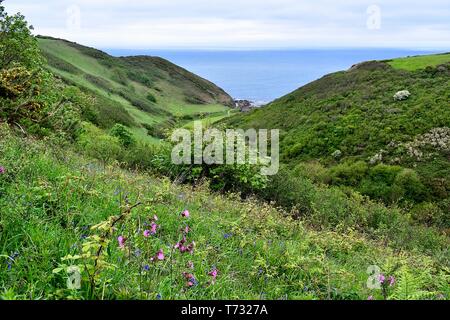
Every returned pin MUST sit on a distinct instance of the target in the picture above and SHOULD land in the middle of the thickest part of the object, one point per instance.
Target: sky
(243, 24)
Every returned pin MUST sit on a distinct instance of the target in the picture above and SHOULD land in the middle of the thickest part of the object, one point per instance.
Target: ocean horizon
(262, 76)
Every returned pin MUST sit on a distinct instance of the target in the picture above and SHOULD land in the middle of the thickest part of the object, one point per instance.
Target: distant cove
(262, 76)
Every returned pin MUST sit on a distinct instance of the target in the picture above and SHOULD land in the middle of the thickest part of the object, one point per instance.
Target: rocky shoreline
(246, 105)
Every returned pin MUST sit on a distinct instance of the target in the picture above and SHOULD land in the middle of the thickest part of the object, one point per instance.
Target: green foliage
(17, 45)
(123, 134)
(151, 97)
(99, 145)
(388, 150)
(67, 210)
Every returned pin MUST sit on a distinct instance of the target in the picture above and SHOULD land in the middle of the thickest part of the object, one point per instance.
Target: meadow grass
(420, 62)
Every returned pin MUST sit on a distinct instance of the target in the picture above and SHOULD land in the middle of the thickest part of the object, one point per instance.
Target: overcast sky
(243, 24)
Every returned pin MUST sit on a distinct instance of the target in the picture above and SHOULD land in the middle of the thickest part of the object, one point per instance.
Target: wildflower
(155, 217)
(190, 265)
(213, 274)
(381, 278)
(147, 233)
(191, 281)
(391, 280)
(186, 229)
(185, 214)
(121, 241)
(146, 267)
(158, 296)
(12, 259)
(370, 298)
(2, 170)
(154, 226)
(227, 235)
(160, 255)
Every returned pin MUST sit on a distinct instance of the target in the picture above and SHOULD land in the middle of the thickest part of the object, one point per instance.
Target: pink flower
(2, 170)
(154, 227)
(121, 241)
(185, 214)
(213, 274)
(147, 233)
(370, 298)
(155, 217)
(186, 229)
(391, 280)
(160, 255)
(381, 278)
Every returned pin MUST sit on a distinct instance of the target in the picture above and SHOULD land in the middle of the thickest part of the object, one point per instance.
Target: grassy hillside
(347, 129)
(420, 62)
(135, 91)
(54, 201)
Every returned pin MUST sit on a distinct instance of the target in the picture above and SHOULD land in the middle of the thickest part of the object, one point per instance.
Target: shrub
(151, 97)
(123, 134)
(428, 213)
(99, 145)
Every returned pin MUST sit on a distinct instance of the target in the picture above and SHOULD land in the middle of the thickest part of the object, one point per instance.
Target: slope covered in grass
(134, 91)
(420, 62)
(53, 200)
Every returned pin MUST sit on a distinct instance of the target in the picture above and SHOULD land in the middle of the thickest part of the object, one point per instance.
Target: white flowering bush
(402, 95)
(437, 139)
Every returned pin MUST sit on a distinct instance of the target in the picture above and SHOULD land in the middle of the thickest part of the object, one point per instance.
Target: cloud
(240, 24)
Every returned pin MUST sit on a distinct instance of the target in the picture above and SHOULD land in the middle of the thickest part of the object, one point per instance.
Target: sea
(264, 75)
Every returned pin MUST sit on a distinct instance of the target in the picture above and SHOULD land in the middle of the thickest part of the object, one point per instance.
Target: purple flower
(147, 233)
(146, 267)
(160, 255)
(381, 278)
(214, 272)
(227, 235)
(121, 241)
(191, 281)
(2, 170)
(154, 226)
(391, 280)
(158, 296)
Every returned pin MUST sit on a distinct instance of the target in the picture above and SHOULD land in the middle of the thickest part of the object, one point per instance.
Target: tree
(17, 44)
(29, 95)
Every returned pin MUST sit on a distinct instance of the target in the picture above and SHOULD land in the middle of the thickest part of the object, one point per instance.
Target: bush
(96, 144)
(151, 97)
(428, 213)
(123, 134)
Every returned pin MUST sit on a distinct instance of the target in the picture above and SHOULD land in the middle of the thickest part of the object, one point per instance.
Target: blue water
(263, 76)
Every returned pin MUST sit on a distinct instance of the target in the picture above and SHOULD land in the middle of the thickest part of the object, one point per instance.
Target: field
(420, 62)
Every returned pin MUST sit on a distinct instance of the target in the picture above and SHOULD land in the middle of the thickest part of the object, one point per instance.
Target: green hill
(139, 92)
(347, 129)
